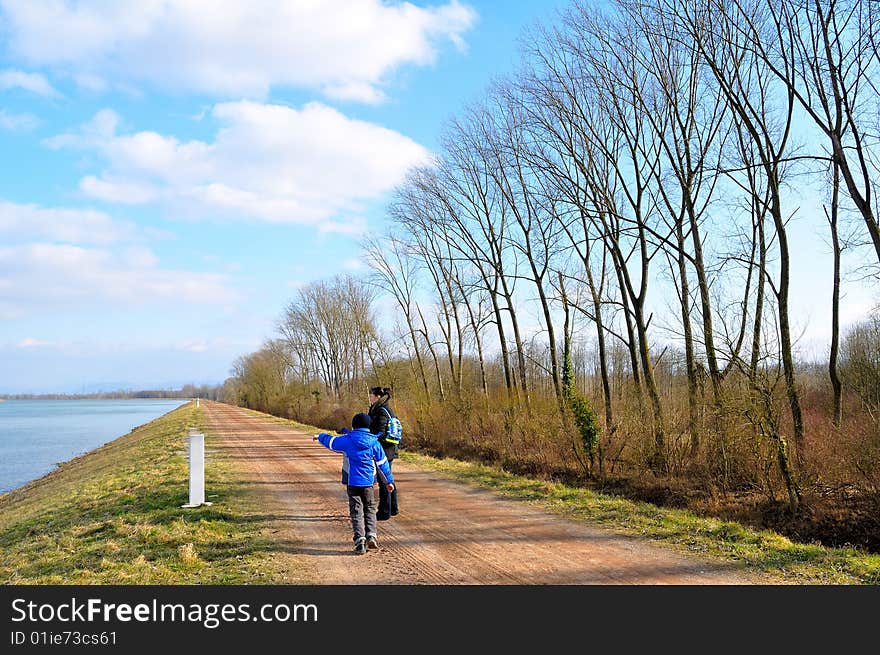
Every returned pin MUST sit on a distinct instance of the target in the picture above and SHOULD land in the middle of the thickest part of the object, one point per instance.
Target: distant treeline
(187, 391)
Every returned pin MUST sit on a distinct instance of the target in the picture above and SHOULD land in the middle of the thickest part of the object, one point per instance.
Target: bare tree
(480, 136)
(396, 272)
(608, 51)
(513, 154)
(473, 298)
(432, 246)
(260, 376)
(747, 86)
(332, 322)
(557, 103)
(688, 114)
(477, 223)
(822, 51)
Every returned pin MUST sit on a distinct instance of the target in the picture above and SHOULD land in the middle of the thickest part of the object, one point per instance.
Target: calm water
(35, 435)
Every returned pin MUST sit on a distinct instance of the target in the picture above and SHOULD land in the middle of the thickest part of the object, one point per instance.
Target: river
(36, 435)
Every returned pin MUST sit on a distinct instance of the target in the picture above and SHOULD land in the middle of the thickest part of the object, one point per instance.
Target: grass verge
(113, 516)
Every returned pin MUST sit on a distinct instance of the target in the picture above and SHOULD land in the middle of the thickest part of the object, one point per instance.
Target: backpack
(394, 432)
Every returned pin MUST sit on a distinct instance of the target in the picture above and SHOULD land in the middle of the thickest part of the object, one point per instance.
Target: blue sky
(171, 175)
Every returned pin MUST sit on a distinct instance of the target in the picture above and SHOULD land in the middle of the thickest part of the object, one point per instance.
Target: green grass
(113, 516)
(759, 550)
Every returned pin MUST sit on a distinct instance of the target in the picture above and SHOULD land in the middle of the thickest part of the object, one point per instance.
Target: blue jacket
(363, 453)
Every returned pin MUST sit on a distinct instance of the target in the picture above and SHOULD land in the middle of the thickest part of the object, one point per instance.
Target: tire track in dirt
(447, 533)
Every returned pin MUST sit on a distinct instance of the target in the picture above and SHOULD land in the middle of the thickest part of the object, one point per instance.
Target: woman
(380, 415)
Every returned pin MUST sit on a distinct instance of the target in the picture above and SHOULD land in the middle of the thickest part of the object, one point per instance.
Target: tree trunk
(520, 351)
(784, 327)
(759, 296)
(603, 356)
(630, 338)
(835, 302)
(690, 368)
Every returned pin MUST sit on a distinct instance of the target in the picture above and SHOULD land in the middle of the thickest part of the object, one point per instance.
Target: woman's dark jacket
(379, 424)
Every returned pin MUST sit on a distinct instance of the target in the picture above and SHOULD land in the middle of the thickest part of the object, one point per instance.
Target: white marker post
(196, 468)
(197, 402)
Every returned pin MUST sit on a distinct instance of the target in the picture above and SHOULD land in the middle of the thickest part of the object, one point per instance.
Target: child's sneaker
(372, 543)
(360, 548)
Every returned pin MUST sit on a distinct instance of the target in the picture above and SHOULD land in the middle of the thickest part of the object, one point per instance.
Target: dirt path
(447, 533)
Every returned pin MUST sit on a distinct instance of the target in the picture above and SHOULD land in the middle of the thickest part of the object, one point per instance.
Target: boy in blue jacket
(364, 455)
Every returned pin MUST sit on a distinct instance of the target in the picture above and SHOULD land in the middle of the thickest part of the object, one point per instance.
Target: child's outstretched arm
(331, 441)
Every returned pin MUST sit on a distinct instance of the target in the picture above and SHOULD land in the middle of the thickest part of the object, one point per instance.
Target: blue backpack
(394, 432)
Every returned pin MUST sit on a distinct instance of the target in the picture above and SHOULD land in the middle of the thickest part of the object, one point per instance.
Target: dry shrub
(329, 416)
(188, 554)
(847, 457)
(533, 442)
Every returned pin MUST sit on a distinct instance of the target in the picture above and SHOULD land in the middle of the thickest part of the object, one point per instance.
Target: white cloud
(29, 222)
(351, 225)
(92, 134)
(90, 82)
(30, 342)
(357, 91)
(270, 162)
(345, 48)
(193, 345)
(17, 121)
(40, 278)
(33, 82)
(118, 191)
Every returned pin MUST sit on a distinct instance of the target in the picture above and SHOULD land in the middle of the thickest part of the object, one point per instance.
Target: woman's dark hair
(381, 391)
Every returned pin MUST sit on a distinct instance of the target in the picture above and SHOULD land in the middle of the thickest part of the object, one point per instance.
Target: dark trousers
(387, 501)
(362, 510)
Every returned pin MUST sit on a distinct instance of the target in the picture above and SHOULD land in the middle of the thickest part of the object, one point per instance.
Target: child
(364, 455)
